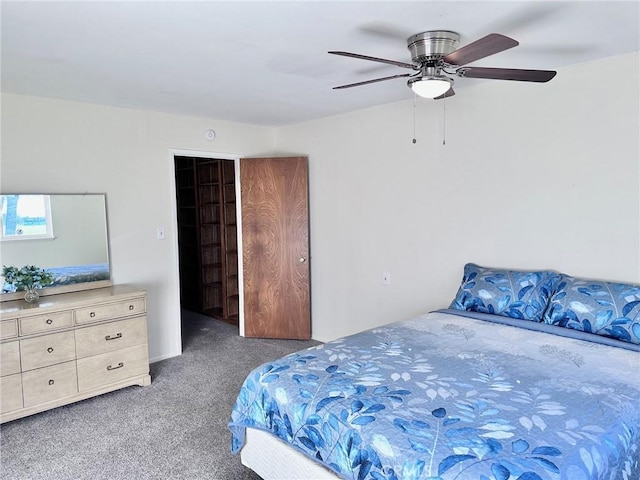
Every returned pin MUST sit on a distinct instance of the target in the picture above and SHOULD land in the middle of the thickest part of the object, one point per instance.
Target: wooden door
(275, 247)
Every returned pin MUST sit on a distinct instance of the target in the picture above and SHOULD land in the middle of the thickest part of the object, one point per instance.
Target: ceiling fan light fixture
(430, 87)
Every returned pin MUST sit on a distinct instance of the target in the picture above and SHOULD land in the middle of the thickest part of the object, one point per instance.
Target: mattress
(448, 396)
(79, 274)
(273, 459)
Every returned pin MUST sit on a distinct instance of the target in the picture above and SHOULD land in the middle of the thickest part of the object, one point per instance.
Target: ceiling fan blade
(372, 81)
(508, 74)
(384, 30)
(489, 45)
(525, 15)
(376, 59)
(447, 94)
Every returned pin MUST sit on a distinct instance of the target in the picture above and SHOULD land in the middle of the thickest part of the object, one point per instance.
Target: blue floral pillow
(515, 294)
(595, 306)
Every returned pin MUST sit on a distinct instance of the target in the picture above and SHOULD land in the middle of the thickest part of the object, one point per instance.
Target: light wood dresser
(70, 347)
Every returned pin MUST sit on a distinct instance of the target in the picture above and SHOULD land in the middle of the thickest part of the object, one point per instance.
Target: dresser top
(19, 308)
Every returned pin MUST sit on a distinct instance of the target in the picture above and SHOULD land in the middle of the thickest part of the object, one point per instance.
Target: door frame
(177, 152)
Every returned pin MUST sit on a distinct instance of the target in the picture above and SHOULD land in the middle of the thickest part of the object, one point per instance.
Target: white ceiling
(265, 62)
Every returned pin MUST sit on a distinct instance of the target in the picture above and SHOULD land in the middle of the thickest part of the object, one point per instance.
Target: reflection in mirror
(25, 217)
(64, 234)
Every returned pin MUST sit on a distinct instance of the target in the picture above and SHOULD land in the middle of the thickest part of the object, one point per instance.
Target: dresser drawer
(112, 367)
(9, 358)
(45, 323)
(97, 313)
(108, 337)
(47, 350)
(10, 393)
(9, 328)
(49, 383)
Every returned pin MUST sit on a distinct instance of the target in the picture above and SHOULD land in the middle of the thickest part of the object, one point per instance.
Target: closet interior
(207, 236)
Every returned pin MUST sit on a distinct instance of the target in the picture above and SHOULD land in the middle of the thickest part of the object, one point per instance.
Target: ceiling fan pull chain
(414, 118)
(444, 120)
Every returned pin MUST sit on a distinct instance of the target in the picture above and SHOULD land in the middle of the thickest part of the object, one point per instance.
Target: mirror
(63, 234)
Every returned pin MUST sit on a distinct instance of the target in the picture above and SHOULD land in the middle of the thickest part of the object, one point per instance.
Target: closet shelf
(208, 248)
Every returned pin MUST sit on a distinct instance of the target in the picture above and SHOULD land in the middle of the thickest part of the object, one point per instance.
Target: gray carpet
(174, 429)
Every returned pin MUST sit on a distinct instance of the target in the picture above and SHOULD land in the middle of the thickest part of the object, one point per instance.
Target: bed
(70, 275)
(79, 274)
(527, 376)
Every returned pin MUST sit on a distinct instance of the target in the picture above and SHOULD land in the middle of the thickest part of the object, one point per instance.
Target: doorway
(207, 237)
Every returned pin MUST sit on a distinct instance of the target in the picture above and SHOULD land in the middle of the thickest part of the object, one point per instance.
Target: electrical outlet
(386, 278)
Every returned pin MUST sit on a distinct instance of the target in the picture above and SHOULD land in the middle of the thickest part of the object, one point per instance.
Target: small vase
(31, 295)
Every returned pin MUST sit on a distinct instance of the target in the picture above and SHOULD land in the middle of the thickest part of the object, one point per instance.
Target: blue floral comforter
(444, 396)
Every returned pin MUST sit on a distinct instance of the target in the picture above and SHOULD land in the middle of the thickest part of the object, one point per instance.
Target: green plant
(27, 277)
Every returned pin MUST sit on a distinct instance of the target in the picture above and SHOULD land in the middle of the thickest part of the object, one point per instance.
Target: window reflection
(25, 217)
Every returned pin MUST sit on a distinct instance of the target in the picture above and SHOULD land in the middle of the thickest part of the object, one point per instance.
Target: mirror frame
(74, 287)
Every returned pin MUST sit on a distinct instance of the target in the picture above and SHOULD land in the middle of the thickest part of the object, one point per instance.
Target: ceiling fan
(436, 58)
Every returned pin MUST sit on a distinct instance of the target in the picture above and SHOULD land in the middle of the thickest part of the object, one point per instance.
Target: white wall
(67, 147)
(531, 176)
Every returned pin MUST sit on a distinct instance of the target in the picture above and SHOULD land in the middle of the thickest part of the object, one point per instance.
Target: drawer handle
(92, 314)
(49, 321)
(50, 350)
(110, 367)
(131, 307)
(51, 382)
(109, 337)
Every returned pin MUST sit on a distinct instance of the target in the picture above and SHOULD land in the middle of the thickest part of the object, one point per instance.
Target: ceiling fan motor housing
(432, 45)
